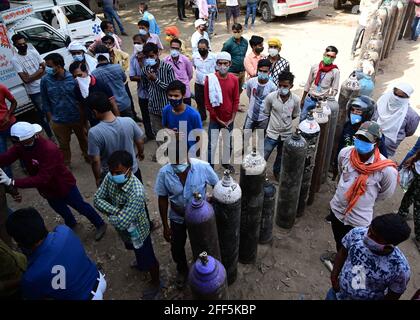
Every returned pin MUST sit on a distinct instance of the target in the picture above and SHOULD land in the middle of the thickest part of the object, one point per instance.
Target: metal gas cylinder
(201, 226)
(395, 29)
(333, 107)
(322, 120)
(227, 208)
(372, 27)
(401, 22)
(207, 279)
(291, 174)
(252, 184)
(266, 230)
(392, 24)
(310, 131)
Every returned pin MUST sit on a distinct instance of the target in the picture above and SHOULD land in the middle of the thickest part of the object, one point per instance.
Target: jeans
(74, 199)
(415, 28)
(308, 105)
(249, 124)
(331, 295)
(269, 145)
(251, 8)
(144, 108)
(339, 230)
(211, 19)
(360, 31)
(178, 240)
(110, 15)
(37, 101)
(227, 142)
(199, 100)
(4, 135)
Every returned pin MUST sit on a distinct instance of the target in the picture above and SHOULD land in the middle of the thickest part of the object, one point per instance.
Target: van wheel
(266, 14)
(338, 4)
(303, 13)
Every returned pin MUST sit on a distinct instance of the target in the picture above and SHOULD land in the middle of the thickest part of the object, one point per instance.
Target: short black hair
(76, 65)
(204, 41)
(138, 36)
(56, 58)
(150, 47)
(331, 49)
(144, 23)
(27, 227)
(264, 63)
(392, 228)
(107, 38)
(120, 157)
(176, 40)
(100, 48)
(176, 85)
(104, 24)
(16, 37)
(255, 40)
(145, 5)
(286, 76)
(236, 26)
(99, 101)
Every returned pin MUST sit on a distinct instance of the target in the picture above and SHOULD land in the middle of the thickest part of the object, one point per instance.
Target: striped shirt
(157, 89)
(277, 68)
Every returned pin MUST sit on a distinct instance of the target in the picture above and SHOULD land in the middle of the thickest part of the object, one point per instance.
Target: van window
(76, 13)
(49, 17)
(43, 39)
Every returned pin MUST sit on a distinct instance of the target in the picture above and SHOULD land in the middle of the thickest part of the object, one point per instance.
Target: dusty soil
(290, 267)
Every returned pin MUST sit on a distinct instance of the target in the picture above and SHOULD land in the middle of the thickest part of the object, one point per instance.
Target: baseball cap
(76, 46)
(199, 22)
(24, 130)
(370, 130)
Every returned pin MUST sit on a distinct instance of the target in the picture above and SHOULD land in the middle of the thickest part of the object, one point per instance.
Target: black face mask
(23, 49)
(203, 52)
(259, 50)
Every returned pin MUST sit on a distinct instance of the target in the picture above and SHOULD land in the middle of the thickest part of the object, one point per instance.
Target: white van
(72, 18)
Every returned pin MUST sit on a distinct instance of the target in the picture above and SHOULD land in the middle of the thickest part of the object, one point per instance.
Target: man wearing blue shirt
(147, 16)
(175, 185)
(58, 267)
(60, 104)
(179, 116)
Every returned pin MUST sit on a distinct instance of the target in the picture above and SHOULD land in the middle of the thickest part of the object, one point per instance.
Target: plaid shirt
(123, 206)
(277, 68)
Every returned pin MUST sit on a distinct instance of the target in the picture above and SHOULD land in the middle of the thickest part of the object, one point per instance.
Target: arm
(163, 203)
(207, 103)
(336, 83)
(248, 66)
(189, 69)
(307, 86)
(340, 259)
(163, 85)
(96, 169)
(140, 148)
(268, 106)
(114, 105)
(296, 110)
(388, 183)
(412, 122)
(46, 105)
(100, 200)
(248, 90)
(8, 157)
(26, 77)
(125, 60)
(131, 209)
(13, 104)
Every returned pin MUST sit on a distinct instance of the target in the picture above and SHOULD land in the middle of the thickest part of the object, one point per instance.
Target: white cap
(76, 46)
(223, 56)
(199, 22)
(24, 130)
(405, 87)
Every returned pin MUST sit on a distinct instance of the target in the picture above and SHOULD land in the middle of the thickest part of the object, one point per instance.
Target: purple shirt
(183, 71)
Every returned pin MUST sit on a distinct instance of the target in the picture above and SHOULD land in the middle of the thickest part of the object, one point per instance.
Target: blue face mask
(355, 118)
(149, 62)
(284, 91)
(78, 57)
(263, 76)
(120, 178)
(180, 168)
(174, 53)
(49, 70)
(142, 32)
(363, 147)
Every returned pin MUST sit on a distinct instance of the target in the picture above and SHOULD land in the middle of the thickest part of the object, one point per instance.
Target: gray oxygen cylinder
(266, 230)
(227, 208)
(310, 132)
(291, 174)
(252, 179)
(333, 106)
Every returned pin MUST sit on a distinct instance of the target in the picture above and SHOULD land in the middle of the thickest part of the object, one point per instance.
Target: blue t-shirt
(366, 275)
(191, 118)
(61, 253)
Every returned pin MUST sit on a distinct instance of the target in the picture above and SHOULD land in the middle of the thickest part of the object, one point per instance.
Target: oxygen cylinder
(349, 89)
(201, 226)
(333, 106)
(266, 230)
(403, 22)
(322, 120)
(227, 207)
(252, 185)
(310, 132)
(407, 21)
(385, 12)
(372, 27)
(207, 279)
(291, 174)
(392, 21)
(401, 7)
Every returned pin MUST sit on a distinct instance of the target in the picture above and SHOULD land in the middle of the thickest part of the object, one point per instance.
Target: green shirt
(12, 266)
(237, 52)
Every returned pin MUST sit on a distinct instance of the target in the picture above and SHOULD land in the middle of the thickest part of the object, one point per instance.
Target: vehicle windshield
(43, 39)
(76, 13)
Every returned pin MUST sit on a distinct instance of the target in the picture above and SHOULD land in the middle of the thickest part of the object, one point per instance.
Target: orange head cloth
(172, 31)
(358, 188)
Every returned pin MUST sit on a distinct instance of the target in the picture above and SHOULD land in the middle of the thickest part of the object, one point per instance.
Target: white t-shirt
(232, 3)
(29, 64)
(197, 36)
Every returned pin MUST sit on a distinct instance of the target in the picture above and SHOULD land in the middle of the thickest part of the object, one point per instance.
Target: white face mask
(273, 52)
(396, 102)
(84, 85)
(138, 48)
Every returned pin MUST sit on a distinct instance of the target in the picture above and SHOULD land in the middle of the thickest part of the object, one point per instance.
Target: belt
(314, 98)
(95, 288)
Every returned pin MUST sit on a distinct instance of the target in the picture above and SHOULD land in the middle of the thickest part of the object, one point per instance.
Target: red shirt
(5, 94)
(45, 166)
(230, 92)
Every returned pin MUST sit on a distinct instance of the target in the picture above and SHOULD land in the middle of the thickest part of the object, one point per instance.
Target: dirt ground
(290, 267)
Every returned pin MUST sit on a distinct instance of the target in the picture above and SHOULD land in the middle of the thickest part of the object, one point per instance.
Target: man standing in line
(251, 60)
(111, 14)
(232, 10)
(180, 4)
(200, 33)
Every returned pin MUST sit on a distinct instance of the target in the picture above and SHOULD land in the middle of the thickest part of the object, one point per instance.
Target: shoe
(328, 218)
(417, 243)
(181, 19)
(180, 280)
(100, 232)
(124, 34)
(328, 256)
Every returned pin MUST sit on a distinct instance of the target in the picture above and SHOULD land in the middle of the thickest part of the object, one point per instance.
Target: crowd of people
(91, 98)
